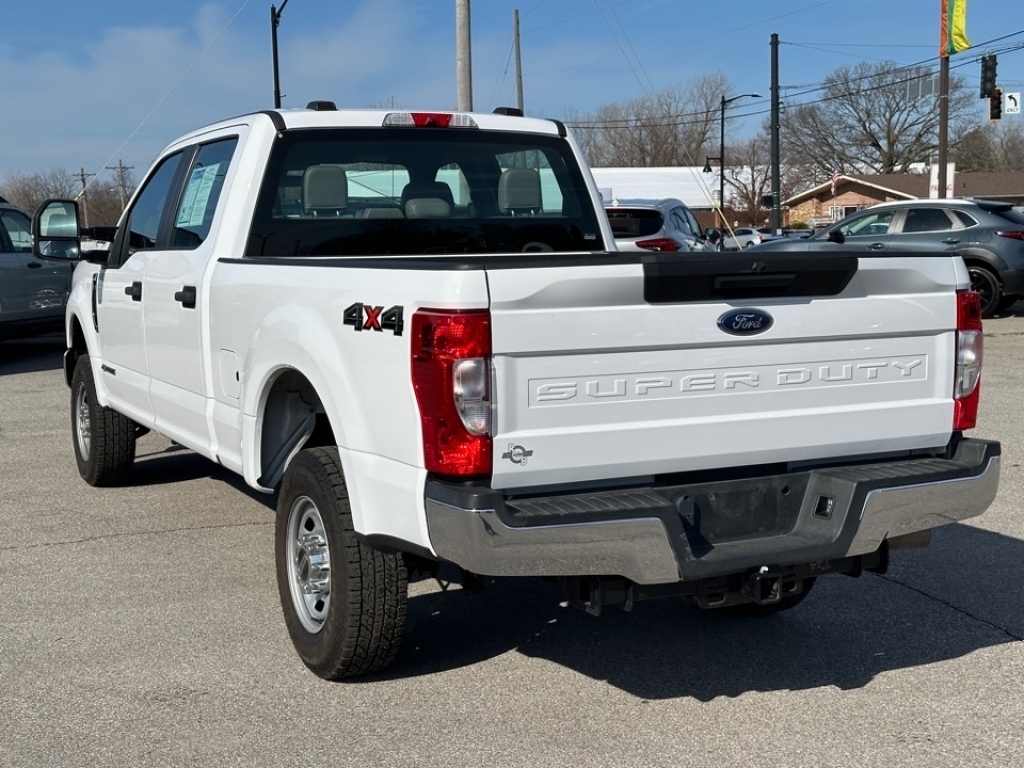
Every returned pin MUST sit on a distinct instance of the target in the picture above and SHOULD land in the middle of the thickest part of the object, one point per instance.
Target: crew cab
(415, 328)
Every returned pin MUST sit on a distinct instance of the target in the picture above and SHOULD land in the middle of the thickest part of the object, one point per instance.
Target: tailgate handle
(753, 282)
(186, 296)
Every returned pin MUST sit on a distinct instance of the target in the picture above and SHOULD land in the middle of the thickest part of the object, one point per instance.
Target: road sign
(1011, 105)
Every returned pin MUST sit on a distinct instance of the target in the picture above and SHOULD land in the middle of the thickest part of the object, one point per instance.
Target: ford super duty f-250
(414, 327)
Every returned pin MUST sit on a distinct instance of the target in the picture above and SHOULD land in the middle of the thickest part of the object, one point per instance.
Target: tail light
(429, 120)
(451, 362)
(660, 244)
(1013, 234)
(969, 352)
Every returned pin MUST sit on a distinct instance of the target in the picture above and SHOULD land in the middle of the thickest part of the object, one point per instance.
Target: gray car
(656, 225)
(33, 290)
(988, 235)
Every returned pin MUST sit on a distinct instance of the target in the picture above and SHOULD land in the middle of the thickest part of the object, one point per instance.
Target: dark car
(988, 235)
(33, 290)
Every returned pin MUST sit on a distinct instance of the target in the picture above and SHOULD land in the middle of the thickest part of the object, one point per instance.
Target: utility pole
(122, 179)
(83, 177)
(463, 57)
(519, 62)
(775, 151)
(275, 19)
(943, 122)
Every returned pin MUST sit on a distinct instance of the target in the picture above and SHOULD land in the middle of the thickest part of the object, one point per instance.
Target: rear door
(929, 229)
(12, 277)
(613, 371)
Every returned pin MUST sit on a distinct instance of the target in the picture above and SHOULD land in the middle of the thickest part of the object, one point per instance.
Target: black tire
(344, 602)
(986, 283)
(104, 439)
(754, 610)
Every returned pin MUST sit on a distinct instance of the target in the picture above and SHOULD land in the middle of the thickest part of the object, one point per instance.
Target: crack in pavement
(131, 534)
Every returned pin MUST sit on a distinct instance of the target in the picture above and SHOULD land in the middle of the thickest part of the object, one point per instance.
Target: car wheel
(985, 282)
(104, 439)
(784, 604)
(747, 244)
(344, 602)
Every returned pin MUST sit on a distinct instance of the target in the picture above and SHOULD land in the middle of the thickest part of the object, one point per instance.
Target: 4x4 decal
(367, 317)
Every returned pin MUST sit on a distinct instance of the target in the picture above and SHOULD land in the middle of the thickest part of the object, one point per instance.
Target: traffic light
(995, 104)
(988, 75)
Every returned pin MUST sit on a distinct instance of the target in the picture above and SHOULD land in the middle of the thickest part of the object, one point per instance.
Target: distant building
(818, 207)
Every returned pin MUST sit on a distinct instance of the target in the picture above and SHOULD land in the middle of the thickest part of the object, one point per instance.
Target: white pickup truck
(415, 328)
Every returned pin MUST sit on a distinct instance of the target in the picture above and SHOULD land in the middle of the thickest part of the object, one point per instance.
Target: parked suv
(657, 225)
(988, 235)
(33, 291)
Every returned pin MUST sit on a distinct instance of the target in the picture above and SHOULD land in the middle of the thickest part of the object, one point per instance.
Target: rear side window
(19, 230)
(634, 222)
(421, 191)
(926, 220)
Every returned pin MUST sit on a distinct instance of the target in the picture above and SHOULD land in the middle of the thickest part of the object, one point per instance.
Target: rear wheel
(986, 283)
(344, 602)
(104, 439)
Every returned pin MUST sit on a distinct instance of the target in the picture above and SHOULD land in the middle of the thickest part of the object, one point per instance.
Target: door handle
(951, 240)
(134, 290)
(877, 246)
(34, 265)
(187, 296)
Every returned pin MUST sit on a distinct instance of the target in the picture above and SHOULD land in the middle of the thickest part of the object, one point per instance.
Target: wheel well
(76, 349)
(293, 418)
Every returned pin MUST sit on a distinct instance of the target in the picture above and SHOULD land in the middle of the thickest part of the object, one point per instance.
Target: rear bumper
(665, 534)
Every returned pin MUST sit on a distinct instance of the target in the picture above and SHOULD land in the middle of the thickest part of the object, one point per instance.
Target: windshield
(411, 191)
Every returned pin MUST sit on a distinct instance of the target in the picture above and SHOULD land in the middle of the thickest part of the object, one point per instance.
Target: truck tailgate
(621, 371)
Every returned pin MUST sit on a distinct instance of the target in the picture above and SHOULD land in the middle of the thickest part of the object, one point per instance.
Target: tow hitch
(763, 587)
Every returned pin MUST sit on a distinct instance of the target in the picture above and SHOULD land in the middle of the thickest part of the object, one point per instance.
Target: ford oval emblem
(745, 322)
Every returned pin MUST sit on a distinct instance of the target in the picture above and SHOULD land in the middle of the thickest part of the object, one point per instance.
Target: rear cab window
(421, 191)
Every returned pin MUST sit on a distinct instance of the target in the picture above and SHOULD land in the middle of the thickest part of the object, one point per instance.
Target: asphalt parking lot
(140, 626)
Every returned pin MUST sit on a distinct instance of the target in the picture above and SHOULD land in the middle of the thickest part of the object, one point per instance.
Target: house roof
(1004, 184)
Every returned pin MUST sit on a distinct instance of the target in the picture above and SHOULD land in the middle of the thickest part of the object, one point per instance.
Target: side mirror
(835, 236)
(55, 231)
(713, 235)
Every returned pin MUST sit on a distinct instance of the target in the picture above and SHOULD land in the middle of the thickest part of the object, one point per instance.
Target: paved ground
(140, 626)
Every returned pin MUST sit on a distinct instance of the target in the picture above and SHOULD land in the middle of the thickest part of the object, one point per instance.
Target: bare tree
(29, 190)
(666, 128)
(867, 121)
(992, 147)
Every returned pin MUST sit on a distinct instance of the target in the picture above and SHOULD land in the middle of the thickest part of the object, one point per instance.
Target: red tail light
(451, 353)
(660, 244)
(969, 353)
(1013, 234)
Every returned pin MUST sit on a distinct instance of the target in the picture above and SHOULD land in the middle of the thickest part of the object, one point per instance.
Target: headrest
(435, 189)
(427, 208)
(519, 189)
(324, 187)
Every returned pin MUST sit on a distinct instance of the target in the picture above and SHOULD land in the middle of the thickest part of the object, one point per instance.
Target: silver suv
(988, 235)
(657, 225)
(33, 291)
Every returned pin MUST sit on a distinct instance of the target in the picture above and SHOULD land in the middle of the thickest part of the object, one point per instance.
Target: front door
(121, 296)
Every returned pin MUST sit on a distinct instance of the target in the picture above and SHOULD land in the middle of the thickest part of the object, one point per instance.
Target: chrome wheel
(309, 564)
(83, 422)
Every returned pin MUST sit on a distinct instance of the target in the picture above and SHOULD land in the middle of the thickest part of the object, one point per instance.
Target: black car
(988, 235)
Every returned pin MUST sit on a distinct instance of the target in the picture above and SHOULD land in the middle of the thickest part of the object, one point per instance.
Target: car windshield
(412, 191)
(634, 222)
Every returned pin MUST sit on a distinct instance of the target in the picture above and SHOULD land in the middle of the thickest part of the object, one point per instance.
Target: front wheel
(344, 602)
(104, 439)
(986, 283)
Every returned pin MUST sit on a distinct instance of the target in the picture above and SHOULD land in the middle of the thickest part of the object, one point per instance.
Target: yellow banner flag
(954, 27)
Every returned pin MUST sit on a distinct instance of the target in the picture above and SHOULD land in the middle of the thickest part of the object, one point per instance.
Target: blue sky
(86, 84)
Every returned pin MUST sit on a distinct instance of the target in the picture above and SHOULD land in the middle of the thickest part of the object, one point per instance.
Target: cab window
(203, 185)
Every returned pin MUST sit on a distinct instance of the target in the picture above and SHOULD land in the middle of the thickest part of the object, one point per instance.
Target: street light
(721, 154)
(275, 19)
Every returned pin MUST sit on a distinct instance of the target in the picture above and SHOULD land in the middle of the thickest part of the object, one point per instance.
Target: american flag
(835, 177)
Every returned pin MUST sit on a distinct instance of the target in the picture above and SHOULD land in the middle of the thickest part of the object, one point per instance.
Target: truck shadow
(39, 353)
(846, 633)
